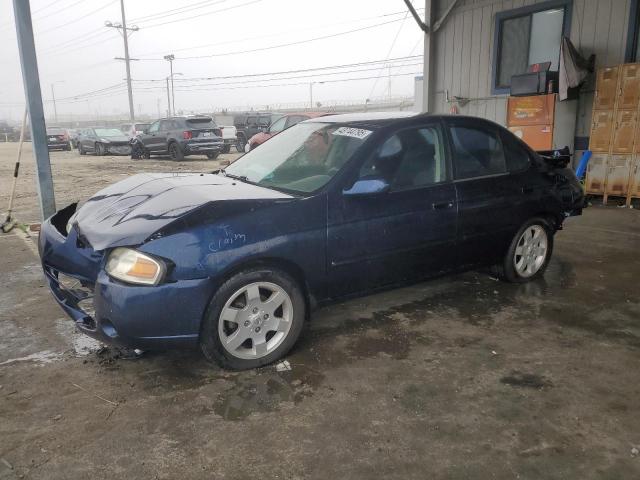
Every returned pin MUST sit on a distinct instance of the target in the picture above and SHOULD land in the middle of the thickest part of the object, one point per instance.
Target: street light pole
(168, 99)
(170, 58)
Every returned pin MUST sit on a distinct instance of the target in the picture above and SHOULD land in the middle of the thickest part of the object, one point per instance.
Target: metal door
(606, 89)
(624, 131)
(634, 178)
(601, 131)
(596, 174)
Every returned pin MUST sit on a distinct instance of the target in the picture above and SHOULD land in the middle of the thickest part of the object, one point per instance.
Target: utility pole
(170, 58)
(124, 31)
(158, 106)
(31, 81)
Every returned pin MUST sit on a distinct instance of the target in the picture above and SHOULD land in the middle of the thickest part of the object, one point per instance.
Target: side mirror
(367, 186)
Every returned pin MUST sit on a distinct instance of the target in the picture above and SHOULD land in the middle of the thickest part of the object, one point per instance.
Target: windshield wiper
(242, 178)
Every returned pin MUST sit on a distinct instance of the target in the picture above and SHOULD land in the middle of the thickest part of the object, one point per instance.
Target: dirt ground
(462, 377)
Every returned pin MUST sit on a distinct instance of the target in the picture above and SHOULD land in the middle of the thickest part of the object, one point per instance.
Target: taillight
(187, 135)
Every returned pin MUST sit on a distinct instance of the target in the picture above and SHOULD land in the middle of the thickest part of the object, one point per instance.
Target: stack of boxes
(614, 168)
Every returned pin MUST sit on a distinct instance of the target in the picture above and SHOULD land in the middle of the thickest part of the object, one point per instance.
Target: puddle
(265, 391)
(526, 380)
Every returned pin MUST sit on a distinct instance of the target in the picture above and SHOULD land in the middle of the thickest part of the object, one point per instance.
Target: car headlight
(132, 266)
(70, 223)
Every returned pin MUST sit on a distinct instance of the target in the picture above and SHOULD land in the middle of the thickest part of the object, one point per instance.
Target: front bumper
(124, 149)
(164, 316)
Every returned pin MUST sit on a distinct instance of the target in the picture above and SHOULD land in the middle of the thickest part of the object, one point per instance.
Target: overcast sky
(232, 37)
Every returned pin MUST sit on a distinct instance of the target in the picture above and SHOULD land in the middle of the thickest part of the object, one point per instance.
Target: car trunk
(203, 129)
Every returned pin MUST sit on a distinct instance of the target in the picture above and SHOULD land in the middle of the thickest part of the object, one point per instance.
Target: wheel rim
(255, 320)
(531, 251)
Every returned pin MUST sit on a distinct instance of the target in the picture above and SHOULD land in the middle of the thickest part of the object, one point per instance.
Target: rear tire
(212, 156)
(245, 306)
(240, 144)
(175, 152)
(529, 253)
(226, 149)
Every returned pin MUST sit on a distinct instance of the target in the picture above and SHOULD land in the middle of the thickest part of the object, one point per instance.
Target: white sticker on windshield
(360, 133)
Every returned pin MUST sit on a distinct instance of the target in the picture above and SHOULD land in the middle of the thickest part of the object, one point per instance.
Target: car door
(89, 140)
(152, 139)
(406, 233)
(481, 178)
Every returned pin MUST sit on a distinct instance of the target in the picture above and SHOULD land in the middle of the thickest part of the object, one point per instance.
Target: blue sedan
(235, 260)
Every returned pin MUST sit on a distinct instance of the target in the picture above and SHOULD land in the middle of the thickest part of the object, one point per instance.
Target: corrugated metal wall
(464, 50)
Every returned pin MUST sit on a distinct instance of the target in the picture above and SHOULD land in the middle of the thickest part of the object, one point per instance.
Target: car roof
(372, 118)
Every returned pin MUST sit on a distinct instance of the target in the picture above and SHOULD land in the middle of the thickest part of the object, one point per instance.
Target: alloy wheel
(255, 320)
(531, 251)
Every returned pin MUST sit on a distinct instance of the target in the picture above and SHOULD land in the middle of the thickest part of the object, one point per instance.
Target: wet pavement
(456, 378)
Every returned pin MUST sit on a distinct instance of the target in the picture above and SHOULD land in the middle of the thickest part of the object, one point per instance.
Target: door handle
(442, 205)
(527, 189)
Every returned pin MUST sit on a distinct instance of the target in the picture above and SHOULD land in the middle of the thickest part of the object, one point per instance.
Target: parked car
(333, 207)
(229, 136)
(180, 137)
(248, 124)
(103, 141)
(282, 123)
(132, 130)
(58, 139)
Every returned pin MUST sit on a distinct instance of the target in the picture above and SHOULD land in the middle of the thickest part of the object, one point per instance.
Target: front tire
(529, 252)
(253, 319)
(100, 150)
(81, 150)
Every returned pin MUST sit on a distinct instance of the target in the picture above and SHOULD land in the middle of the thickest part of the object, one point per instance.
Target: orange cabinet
(624, 130)
(538, 137)
(531, 110)
(601, 130)
(606, 89)
(629, 92)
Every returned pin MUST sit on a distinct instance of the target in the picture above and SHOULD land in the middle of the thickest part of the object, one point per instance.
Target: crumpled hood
(117, 139)
(128, 212)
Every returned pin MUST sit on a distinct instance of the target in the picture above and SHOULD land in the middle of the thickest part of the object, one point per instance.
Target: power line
(286, 72)
(179, 10)
(203, 14)
(79, 18)
(393, 44)
(272, 47)
(259, 37)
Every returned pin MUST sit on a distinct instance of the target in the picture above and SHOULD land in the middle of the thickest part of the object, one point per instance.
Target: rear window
(55, 131)
(200, 123)
(142, 126)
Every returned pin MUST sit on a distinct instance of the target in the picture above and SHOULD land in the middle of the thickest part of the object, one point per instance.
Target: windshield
(302, 158)
(200, 123)
(142, 126)
(108, 132)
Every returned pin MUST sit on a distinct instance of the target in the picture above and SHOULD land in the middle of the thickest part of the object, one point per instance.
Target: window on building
(632, 53)
(528, 35)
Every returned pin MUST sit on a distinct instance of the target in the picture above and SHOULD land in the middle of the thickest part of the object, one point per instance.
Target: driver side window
(410, 158)
(278, 125)
(154, 127)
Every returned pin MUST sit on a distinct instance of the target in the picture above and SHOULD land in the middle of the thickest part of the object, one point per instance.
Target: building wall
(464, 50)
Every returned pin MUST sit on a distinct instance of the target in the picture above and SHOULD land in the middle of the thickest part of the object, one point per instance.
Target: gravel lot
(457, 378)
